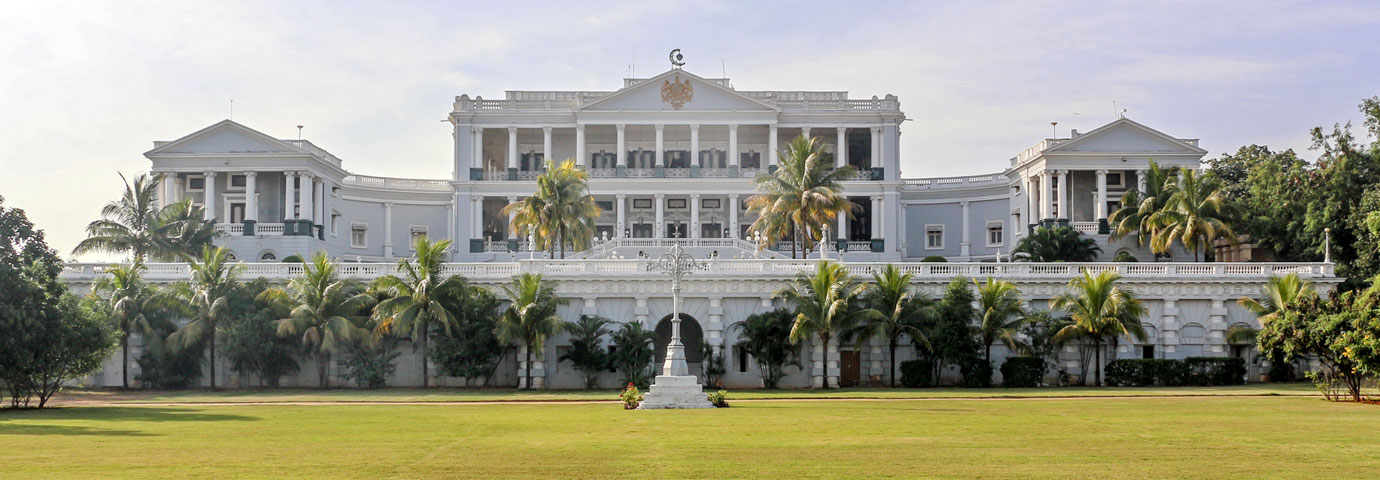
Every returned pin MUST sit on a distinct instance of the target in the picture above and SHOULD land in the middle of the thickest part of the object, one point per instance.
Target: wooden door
(850, 368)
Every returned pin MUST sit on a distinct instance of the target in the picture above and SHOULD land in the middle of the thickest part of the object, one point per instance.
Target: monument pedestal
(675, 391)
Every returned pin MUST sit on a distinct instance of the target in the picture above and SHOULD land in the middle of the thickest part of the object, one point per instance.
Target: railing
(260, 229)
(230, 228)
(863, 246)
(956, 182)
(579, 269)
(1085, 227)
(307, 146)
(543, 101)
(397, 183)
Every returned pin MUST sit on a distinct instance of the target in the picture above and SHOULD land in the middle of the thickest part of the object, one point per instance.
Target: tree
(203, 300)
(589, 358)
(1196, 214)
(821, 303)
(134, 225)
(561, 210)
(950, 330)
(46, 337)
(634, 352)
(474, 351)
(766, 337)
(323, 310)
(1041, 330)
(530, 317)
(1100, 309)
(1280, 294)
(901, 312)
(412, 305)
(802, 197)
(1056, 244)
(124, 297)
(1339, 333)
(250, 342)
(1133, 217)
(1000, 316)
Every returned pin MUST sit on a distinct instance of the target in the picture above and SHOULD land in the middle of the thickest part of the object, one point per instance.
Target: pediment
(225, 136)
(1125, 135)
(677, 90)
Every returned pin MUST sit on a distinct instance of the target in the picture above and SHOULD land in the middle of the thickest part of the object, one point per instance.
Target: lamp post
(675, 387)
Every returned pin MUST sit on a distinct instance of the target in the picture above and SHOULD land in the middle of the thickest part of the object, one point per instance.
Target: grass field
(1220, 436)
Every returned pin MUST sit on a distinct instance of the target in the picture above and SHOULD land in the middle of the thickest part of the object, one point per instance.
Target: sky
(85, 88)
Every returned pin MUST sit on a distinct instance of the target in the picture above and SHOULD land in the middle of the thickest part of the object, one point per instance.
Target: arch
(268, 256)
(690, 334)
(231, 256)
(1192, 334)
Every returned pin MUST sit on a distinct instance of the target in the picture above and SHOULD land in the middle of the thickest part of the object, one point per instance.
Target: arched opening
(690, 334)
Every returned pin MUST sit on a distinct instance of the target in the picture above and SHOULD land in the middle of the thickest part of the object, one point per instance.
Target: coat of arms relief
(677, 92)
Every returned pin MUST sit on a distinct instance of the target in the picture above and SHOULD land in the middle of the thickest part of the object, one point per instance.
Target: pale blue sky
(86, 88)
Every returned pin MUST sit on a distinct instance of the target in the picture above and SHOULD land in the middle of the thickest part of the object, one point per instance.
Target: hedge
(1173, 373)
(977, 373)
(915, 373)
(1022, 372)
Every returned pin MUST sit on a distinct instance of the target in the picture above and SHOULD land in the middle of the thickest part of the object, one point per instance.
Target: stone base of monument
(670, 391)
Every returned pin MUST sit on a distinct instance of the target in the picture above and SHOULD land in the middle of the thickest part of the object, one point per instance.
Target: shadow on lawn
(9, 426)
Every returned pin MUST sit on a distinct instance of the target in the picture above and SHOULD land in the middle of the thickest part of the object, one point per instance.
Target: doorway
(850, 368)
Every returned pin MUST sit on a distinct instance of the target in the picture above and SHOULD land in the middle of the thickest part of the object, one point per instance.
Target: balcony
(863, 174)
(294, 228)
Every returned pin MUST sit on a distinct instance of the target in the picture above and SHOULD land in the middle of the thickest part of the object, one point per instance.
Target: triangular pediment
(225, 136)
(677, 90)
(1125, 135)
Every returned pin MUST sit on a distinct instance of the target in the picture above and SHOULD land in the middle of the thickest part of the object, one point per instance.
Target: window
(237, 182)
(934, 237)
(675, 203)
(605, 205)
(335, 222)
(196, 183)
(268, 256)
(358, 235)
(1116, 179)
(710, 203)
(994, 234)
(612, 350)
(642, 203)
(742, 358)
(416, 233)
(1147, 352)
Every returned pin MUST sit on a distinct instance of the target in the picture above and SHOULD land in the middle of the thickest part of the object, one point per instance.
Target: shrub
(934, 259)
(1022, 372)
(1133, 372)
(915, 373)
(1172, 373)
(292, 259)
(977, 373)
(369, 367)
(719, 399)
(1216, 370)
(164, 367)
(630, 396)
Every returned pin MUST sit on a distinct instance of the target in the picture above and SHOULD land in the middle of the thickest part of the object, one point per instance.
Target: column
(964, 247)
(805, 132)
(1064, 212)
(771, 145)
(546, 146)
(477, 217)
(733, 216)
(1046, 196)
(450, 223)
(660, 226)
(304, 201)
(209, 196)
(622, 216)
(622, 146)
(320, 201)
(289, 199)
(1028, 184)
(580, 155)
(733, 147)
(1169, 326)
(660, 146)
(251, 198)
(842, 232)
(512, 232)
(876, 147)
(388, 229)
(512, 153)
(694, 146)
(876, 217)
(478, 161)
(841, 150)
(169, 188)
(694, 216)
(1100, 210)
(1217, 327)
(1140, 180)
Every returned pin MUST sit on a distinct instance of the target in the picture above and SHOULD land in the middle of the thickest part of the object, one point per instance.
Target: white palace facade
(671, 159)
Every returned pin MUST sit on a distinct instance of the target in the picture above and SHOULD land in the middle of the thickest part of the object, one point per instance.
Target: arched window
(268, 256)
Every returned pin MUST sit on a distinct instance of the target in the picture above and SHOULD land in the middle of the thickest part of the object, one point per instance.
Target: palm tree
(821, 302)
(1281, 294)
(901, 311)
(802, 197)
(127, 297)
(589, 358)
(531, 315)
(413, 301)
(561, 210)
(1195, 215)
(1099, 309)
(1000, 315)
(323, 308)
(204, 300)
(1057, 244)
(766, 336)
(182, 231)
(1137, 207)
(134, 224)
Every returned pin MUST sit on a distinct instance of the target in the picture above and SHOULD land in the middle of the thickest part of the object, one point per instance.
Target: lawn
(1166, 437)
(504, 395)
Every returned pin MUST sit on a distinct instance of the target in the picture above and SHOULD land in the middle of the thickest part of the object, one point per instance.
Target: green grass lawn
(1164, 437)
(500, 395)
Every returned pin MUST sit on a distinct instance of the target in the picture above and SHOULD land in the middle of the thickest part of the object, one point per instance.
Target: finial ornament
(677, 60)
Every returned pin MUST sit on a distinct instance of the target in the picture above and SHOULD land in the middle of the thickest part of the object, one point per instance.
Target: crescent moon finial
(677, 60)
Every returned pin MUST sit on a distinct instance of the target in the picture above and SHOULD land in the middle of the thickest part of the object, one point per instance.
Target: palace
(671, 160)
